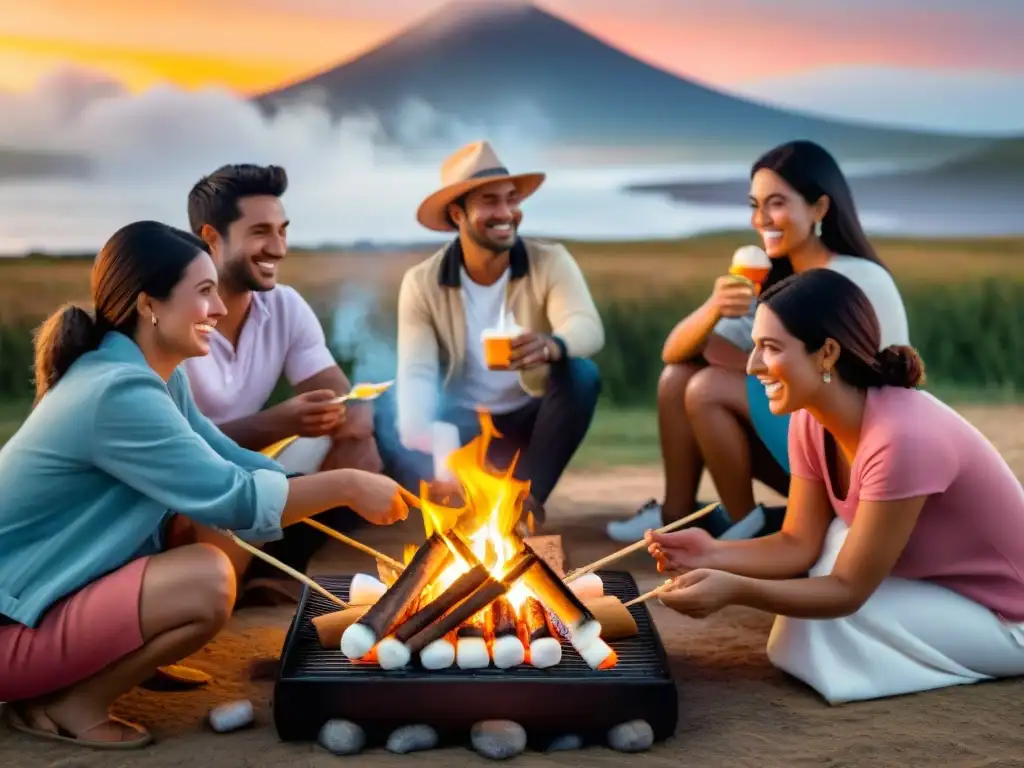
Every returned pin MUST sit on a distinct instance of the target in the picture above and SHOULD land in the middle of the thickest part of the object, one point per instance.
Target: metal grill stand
(316, 685)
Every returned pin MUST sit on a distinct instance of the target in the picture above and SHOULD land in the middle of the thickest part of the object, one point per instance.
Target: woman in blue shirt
(92, 597)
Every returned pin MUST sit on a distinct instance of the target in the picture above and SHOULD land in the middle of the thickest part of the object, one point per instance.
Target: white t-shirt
(478, 386)
(281, 335)
(870, 277)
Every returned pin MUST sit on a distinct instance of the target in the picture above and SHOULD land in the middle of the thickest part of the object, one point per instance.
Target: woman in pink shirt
(909, 522)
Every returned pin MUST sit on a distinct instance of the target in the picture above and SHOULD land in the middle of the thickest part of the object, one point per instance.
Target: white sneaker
(748, 527)
(633, 528)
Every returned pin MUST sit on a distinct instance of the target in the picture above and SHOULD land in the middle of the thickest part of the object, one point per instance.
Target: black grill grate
(638, 656)
(316, 685)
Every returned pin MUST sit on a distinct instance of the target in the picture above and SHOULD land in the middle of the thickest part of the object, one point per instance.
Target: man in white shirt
(485, 278)
(269, 332)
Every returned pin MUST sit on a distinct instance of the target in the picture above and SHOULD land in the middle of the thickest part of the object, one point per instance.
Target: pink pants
(79, 636)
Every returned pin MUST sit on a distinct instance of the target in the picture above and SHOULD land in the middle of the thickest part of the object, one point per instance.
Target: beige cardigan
(546, 293)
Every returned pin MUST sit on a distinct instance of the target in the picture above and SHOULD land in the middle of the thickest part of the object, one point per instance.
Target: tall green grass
(970, 336)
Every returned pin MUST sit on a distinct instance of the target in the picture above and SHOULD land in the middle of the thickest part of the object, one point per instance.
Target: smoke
(359, 334)
(349, 182)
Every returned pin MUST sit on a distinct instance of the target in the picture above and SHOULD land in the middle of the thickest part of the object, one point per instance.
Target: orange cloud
(254, 45)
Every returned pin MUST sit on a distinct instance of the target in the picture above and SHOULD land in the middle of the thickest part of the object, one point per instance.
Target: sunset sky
(254, 45)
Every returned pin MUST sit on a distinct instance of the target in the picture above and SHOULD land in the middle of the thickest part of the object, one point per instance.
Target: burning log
(562, 602)
(545, 650)
(471, 649)
(507, 649)
(330, 627)
(489, 591)
(393, 651)
(360, 638)
(615, 619)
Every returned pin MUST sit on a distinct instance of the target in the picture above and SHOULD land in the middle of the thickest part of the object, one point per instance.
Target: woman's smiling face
(782, 217)
(791, 376)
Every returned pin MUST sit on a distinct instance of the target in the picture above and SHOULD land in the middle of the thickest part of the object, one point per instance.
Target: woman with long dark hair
(114, 467)
(710, 414)
(908, 521)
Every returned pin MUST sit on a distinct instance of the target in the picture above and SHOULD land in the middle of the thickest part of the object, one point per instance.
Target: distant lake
(378, 202)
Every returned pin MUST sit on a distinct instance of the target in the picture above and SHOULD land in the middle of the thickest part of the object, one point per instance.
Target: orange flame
(492, 506)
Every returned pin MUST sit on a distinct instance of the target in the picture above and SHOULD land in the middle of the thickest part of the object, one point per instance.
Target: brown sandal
(43, 727)
(176, 677)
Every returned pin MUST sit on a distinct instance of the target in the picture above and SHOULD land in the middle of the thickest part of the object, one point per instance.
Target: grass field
(33, 287)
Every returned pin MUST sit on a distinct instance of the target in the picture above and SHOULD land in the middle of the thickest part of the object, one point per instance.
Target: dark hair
(822, 304)
(145, 256)
(214, 198)
(810, 170)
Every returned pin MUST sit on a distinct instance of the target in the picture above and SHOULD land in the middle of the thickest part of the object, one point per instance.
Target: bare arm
(690, 335)
(788, 553)
(730, 302)
(310, 495)
(880, 532)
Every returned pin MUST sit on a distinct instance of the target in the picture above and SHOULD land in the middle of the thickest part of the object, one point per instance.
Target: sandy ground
(735, 708)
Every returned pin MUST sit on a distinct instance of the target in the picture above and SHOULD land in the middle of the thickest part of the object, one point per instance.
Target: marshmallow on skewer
(439, 654)
(587, 587)
(392, 654)
(365, 589)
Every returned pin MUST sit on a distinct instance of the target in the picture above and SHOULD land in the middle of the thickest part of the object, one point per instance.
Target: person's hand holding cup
(751, 263)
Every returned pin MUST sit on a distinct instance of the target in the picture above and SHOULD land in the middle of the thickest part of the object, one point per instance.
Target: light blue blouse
(97, 468)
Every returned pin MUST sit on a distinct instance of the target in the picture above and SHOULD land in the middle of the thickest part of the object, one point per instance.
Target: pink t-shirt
(281, 336)
(970, 535)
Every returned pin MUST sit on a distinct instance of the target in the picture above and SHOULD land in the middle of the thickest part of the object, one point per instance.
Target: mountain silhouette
(518, 67)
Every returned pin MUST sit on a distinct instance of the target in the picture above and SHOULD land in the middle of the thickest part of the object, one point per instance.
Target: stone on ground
(498, 739)
(341, 737)
(412, 738)
(634, 736)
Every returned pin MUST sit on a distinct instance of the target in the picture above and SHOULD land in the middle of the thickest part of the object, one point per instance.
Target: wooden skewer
(255, 552)
(597, 564)
(648, 595)
(380, 556)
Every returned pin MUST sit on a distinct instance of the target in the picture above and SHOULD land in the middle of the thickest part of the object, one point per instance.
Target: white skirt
(305, 454)
(909, 636)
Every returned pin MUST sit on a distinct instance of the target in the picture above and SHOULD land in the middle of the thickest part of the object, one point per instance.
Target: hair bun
(901, 366)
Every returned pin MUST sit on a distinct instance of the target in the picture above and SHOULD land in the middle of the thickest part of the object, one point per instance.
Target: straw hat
(463, 171)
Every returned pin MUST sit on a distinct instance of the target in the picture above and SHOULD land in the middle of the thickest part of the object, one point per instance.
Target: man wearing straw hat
(487, 278)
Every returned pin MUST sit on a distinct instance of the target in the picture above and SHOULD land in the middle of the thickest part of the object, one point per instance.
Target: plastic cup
(497, 345)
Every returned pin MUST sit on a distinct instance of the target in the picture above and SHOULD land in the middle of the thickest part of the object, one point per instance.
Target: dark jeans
(546, 431)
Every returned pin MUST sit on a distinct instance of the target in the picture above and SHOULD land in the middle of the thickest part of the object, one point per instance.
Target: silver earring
(153, 319)
(826, 377)
(817, 229)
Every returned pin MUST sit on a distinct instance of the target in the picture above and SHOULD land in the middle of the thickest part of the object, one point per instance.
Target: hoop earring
(817, 229)
(826, 377)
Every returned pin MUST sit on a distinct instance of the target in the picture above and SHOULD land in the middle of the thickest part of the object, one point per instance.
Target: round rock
(634, 736)
(565, 743)
(498, 739)
(412, 738)
(341, 737)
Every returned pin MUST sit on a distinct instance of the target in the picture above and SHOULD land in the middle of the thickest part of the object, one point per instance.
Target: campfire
(475, 593)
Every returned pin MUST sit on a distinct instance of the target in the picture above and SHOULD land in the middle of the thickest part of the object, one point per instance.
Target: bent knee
(586, 383)
(213, 584)
(674, 378)
(712, 386)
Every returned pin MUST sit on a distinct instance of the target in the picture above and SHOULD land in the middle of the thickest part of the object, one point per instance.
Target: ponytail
(901, 366)
(64, 337)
